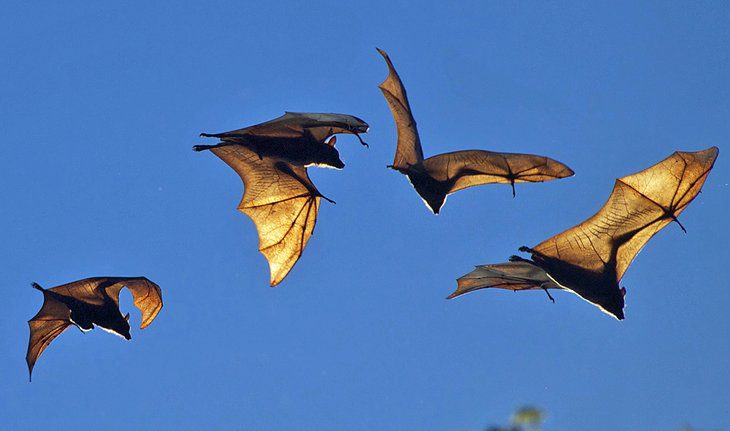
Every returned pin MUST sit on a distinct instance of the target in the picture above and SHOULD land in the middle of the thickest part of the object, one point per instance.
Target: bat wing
(517, 275)
(462, 169)
(319, 126)
(147, 295)
(52, 319)
(591, 258)
(282, 202)
(408, 151)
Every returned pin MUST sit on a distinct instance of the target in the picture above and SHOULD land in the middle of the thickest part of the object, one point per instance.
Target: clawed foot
(515, 258)
(328, 199)
(548, 293)
(680, 224)
(361, 141)
(525, 249)
(202, 147)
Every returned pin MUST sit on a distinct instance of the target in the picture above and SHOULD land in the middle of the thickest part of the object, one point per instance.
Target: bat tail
(37, 286)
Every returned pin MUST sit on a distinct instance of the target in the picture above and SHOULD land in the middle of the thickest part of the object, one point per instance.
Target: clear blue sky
(101, 105)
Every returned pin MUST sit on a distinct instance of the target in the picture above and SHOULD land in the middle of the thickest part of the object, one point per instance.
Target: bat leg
(210, 135)
(202, 147)
(677, 220)
(513, 189)
(361, 141)
(548, 293)
(35, 285)
(327, 199)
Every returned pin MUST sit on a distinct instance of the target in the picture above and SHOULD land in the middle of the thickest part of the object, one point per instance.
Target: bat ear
(126, 317)
(332, 141)
(623, 292)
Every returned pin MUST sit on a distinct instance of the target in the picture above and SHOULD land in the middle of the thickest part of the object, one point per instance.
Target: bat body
(436, 177)
(591, 258)
(271, 159)
(88, 303)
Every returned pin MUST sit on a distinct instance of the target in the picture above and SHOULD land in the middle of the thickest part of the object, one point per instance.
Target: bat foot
(526, 249)
(674, 218)
(515, 258)
(361, 141)
(208, 135)
(548, 294)
(202, 147)
(35, 285)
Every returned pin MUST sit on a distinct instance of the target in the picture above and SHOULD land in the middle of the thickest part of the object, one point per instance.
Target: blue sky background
(101, 104)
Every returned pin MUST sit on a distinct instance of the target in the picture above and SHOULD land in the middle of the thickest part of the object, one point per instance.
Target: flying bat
(88, 303)
(591, 258)
(438, 176)
(272, 160)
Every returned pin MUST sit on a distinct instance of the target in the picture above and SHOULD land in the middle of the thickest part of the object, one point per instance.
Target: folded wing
(518, 275)
(319, 126)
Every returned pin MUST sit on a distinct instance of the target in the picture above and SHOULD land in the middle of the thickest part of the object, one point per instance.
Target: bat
(272, 159)
(87, 303)
(438, 176)
(591, 258)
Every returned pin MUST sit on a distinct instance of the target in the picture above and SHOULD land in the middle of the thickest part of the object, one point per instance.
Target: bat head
(328, 156)
(609, 300)
(115, 323)
(431, 191)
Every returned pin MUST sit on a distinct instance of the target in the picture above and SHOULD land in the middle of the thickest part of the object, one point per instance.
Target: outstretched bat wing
(282, 202)
(408, 151)
(53, 318)
(591, 258)
(462, 169)
(318, 126)
(147, 295)
(517, 275)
